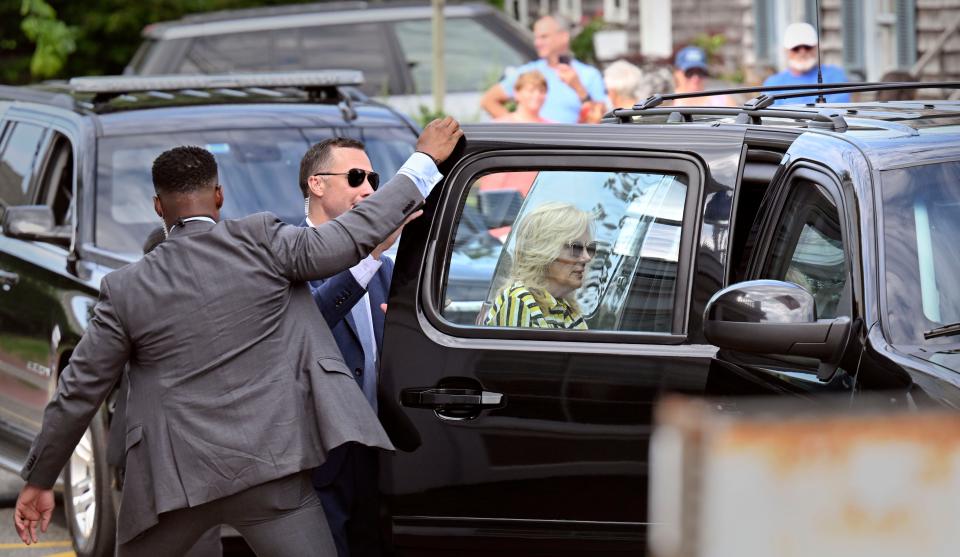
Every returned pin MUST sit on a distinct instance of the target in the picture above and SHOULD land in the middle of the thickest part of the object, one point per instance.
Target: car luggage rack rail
(754, 110)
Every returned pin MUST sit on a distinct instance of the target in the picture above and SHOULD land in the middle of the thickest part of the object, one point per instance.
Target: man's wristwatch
(585, 98)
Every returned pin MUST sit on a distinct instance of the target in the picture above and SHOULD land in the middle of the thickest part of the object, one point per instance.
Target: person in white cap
(800, 40)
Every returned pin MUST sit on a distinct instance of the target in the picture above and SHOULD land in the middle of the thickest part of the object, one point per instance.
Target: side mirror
(33, 222)
(773, 317)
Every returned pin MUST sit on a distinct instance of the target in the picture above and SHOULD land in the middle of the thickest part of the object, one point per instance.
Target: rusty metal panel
(833, 482)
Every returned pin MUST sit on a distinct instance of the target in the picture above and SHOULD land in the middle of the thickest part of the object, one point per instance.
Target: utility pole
(439, 75)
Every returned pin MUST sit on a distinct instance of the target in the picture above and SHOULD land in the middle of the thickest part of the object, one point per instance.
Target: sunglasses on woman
(575, 249)
(356, 176)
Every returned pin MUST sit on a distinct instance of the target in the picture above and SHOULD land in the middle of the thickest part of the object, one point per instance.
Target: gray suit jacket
(233, 379)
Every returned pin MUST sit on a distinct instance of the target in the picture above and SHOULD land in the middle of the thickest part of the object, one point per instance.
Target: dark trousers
(280, 518)
(351, 502)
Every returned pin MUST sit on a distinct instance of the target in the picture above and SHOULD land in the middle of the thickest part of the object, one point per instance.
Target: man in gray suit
(235, 387)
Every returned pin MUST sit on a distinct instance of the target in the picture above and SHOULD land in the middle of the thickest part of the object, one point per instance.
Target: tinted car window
(16, 163)
(312, 48)
(629, 255)
(808, 247)
(259, 171)
(224, 53)
(474, 56)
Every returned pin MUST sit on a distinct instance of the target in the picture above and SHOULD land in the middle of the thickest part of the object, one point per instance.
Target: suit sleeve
(337, 296)
(94, 368)
(305, 253)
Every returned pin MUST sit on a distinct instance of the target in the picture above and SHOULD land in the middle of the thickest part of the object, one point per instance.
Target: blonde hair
(533, 77)
(540, 238)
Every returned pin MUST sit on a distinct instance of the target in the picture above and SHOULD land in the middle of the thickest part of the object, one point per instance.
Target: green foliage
(90, 37)
(498, 4)
(427, 115)
(582, 44)
(55, 41)
(711, 44)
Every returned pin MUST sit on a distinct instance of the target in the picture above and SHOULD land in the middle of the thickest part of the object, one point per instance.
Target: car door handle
(8, 280)
(432, 397)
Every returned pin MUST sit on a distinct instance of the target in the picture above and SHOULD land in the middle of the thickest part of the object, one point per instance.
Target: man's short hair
(533, 77)
(318, 157)
(184, 169)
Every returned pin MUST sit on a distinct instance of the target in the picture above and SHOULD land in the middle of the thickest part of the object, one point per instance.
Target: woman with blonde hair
(553, 245)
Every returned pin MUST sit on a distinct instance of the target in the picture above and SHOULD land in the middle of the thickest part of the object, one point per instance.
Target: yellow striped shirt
(515, 306)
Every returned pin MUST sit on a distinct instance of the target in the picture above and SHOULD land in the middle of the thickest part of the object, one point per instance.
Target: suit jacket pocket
(335, 365)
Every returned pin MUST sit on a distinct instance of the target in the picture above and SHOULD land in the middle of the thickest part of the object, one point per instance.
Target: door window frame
(807, 172)
(450, 206)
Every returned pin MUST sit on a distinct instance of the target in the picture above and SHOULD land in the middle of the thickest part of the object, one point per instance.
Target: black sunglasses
(801, 47)
(355, 177)
(694, 71)
(576, 249)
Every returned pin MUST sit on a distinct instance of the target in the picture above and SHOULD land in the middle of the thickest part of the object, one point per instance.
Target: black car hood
(949, 359)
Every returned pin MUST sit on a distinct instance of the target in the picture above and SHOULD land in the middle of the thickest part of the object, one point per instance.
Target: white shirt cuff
(423, 171)
(363, 272)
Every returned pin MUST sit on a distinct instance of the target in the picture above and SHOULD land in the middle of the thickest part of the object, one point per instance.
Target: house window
(616, 11)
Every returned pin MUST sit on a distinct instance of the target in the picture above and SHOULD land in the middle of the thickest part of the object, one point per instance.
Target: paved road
(56, 542)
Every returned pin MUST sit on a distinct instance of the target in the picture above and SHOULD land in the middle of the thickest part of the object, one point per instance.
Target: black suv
(75, 192)
(792, 250)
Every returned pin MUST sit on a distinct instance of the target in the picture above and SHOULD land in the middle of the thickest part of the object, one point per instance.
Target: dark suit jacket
(335, 297)
(233, 380)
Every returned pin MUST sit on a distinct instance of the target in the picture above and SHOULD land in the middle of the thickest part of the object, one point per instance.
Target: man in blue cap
(690, 75)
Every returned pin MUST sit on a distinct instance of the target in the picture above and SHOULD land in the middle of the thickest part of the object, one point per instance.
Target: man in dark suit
(235, 387)
(336, 175)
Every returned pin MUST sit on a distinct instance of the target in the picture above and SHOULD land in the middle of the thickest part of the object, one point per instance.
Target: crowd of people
(558, 88)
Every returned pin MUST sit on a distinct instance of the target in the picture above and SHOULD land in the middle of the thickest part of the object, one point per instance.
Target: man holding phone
(570, 83)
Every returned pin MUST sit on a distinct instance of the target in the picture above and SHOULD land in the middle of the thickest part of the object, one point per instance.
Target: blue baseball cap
(691, 57)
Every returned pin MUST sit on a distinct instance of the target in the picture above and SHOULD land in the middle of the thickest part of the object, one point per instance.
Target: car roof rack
(754, 110)
(330, 86)
(656, 100)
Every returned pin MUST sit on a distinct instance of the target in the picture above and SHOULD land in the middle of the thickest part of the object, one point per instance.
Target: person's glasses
(355, 177)
(694, 72)
(801, 48)
(576, 249)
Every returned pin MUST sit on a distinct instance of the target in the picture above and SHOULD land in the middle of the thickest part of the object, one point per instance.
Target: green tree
(65, 38)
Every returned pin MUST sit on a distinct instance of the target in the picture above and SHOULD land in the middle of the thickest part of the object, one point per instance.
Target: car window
(807, 248)
(259, 171)
(921, 222)
(474, 56)
(585, 250)
(310, 48)
(56, 183)
(16, 163)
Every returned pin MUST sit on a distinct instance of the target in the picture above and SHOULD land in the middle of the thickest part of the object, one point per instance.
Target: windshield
(921, 211)
(259, 171)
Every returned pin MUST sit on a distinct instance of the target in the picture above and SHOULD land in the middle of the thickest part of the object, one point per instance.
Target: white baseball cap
(797, 34)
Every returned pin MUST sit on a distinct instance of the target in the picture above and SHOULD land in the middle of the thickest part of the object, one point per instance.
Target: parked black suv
(792, 250)
(75, 191)
(741, 251)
